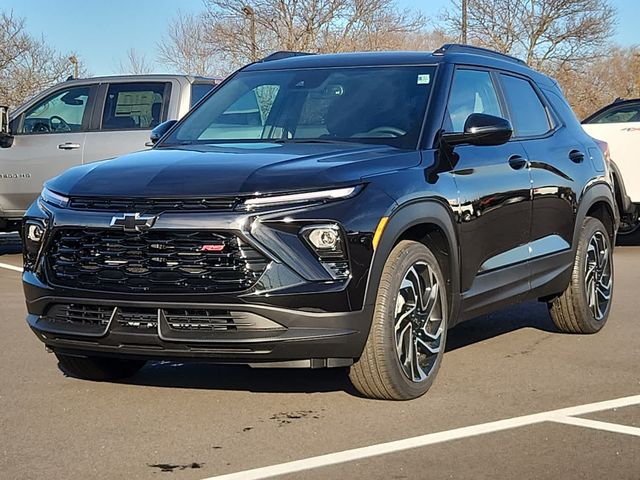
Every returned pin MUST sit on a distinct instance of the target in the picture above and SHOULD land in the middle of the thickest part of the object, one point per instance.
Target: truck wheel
(584, 306)
(629, 233)
(99, 368)
(408, 332)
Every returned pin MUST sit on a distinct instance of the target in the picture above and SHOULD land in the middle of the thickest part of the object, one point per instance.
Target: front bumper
(273, 335)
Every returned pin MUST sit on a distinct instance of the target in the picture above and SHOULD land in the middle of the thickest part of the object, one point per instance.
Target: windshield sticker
(424, 79)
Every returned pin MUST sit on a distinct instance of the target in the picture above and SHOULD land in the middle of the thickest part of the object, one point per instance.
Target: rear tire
(408, 332)
(99, 368)
(584, 306)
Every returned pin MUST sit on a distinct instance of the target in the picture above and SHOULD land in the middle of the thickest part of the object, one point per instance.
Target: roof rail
(460, 48)
(283, 54)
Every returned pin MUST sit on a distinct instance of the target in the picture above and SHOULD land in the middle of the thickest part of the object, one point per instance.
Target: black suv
(328, 211)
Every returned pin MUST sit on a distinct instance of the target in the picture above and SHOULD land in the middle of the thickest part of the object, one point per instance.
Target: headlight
(53, 198)
(300, 197)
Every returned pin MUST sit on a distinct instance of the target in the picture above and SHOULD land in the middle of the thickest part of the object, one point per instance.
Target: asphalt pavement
(514, 399)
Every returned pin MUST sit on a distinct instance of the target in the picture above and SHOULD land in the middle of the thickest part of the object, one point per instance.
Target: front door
(494, 198)
(49, 138)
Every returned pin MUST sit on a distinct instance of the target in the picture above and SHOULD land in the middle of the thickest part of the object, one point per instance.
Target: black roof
(456, 54)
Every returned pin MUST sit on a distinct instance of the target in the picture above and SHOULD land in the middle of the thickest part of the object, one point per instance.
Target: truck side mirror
(6, 139)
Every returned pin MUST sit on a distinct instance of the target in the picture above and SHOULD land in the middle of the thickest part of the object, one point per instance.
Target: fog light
(35, 233)
(324, 238)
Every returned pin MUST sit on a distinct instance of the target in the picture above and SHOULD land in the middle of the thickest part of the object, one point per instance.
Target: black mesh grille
(152, 205)
(80, 315)
(154, 262)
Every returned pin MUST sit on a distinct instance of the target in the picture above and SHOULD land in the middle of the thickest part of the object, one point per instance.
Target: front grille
(153, 262)
(190, 319)
(151, 205)
(80, 315)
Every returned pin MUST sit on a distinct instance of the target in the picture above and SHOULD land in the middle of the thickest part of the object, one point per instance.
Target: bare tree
(27, 64)
(230, 33)
(135, 64)
(545, 33)
(591, 85)
(185, 47)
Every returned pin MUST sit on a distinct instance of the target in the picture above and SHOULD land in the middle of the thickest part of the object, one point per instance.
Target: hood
(237, 169)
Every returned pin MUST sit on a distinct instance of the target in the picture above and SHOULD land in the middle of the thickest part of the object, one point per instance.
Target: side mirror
(6, 139)
(481, 129)
(160, 130)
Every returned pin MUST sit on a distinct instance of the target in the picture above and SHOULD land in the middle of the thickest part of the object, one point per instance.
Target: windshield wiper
(306, 140)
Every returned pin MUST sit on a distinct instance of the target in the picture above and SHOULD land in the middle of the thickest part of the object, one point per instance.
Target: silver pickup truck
(82, 121)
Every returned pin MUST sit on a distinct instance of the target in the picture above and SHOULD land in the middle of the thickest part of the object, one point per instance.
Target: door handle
(68, 146)
(576, 156)
(517, 162)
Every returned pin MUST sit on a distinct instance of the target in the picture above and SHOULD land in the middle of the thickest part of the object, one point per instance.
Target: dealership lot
(202, 421)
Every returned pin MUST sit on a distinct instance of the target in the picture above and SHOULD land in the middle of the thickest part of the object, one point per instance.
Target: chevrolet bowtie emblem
(133, 222)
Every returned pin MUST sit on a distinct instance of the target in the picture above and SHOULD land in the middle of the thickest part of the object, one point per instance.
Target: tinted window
(60, 112)
(528, 114)
(360, 105)
(622, 114)
(133, 105)
(198, 91)
(472, 92)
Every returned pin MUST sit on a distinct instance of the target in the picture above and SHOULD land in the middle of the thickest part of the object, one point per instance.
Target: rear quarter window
(528, 114)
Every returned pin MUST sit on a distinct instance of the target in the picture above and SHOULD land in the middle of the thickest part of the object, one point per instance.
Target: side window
(623, 114)
(472, 92)
(131, 106)
(198, 91)
(61, 112)
(528, 114)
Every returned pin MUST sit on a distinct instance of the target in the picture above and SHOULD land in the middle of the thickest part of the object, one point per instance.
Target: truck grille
(153, 262)
(151, 205)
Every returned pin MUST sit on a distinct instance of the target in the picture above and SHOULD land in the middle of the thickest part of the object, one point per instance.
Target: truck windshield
(384, 105)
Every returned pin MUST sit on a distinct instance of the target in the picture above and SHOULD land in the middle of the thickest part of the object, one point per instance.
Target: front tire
(408, 332)
(585, 305)
(99, 368)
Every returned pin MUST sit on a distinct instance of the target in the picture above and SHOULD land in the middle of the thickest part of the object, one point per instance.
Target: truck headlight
(327, 242)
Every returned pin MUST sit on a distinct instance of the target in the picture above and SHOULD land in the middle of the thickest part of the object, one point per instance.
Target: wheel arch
(429, 222)
(598, 202)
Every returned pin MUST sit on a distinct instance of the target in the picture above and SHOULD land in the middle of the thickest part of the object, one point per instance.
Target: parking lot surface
(203, 421)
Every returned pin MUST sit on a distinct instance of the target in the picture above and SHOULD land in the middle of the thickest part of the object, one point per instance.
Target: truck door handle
(576, 156)
(68, 146)
(517, 162)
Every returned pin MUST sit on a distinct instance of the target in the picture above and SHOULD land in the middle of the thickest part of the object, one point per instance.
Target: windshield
(365, 105)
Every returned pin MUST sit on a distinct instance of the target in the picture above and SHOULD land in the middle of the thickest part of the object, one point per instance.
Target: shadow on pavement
(243, 378)
(526, 315)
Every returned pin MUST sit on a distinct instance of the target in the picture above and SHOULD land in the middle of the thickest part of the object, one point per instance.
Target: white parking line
(10, 267)
(432, 438)
(598, 425)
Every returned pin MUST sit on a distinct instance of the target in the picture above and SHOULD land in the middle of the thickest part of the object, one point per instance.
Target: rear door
(557, 161)
(494, 208)
(49, 138)
(125, 114)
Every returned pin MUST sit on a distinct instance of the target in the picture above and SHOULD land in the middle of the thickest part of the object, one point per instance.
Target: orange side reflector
(379, 229)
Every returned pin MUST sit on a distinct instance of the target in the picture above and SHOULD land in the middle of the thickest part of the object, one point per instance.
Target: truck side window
(472, 92)
(132, 106)
(61, 112)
